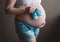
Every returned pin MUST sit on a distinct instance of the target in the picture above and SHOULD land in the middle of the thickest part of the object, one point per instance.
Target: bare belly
(28, 19)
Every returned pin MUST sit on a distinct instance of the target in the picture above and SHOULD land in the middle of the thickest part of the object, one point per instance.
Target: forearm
(14, 10)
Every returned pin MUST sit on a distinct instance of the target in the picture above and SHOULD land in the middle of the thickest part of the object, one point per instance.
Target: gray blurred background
(50, 33)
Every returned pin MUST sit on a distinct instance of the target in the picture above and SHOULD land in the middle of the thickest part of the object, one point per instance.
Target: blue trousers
(25, 31)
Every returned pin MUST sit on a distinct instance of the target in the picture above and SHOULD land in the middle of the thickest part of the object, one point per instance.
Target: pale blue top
(27, 2)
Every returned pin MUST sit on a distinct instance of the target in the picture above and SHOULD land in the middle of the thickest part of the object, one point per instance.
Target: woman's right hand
(27, 10)
(30, 9)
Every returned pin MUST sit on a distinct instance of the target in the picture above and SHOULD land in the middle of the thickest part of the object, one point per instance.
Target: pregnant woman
(27, 25)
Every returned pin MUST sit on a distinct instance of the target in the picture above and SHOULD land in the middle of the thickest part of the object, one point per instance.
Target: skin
(24, 14)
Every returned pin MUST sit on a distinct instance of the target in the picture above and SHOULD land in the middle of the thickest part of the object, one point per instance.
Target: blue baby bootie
(34, 15)
(38, 12)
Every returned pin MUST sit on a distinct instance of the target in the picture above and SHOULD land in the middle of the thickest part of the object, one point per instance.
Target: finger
(32, 10)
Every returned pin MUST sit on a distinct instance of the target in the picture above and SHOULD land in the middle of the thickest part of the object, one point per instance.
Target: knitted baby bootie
(39, 13)
(36, 13)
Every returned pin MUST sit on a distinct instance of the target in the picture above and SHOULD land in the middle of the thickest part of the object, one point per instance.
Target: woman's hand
(30, 9)
(27, 10)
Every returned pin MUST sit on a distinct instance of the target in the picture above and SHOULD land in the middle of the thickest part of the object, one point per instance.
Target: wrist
(22, 10)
